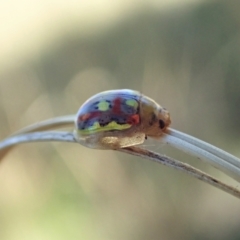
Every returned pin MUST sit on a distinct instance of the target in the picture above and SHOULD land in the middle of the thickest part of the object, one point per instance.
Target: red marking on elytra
(87, 116)
(83, 117)
(117, 106)
(133, 120)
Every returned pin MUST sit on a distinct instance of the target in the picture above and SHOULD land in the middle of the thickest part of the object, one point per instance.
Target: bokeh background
(56, 54)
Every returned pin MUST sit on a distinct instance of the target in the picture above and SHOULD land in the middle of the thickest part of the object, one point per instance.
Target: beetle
(119, 118)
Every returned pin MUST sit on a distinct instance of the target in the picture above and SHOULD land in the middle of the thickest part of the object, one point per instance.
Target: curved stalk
(206, 146)
(137, 151)
(218, 161)
(218, 158)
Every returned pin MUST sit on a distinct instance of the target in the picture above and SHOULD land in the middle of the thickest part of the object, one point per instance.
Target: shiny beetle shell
(119, 118)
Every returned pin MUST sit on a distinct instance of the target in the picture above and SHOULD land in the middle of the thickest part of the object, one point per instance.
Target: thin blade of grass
(137, 151)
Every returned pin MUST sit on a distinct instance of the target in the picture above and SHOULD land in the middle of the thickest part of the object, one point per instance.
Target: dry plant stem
(49, 124)
(170, 162)
(37, 137)
(218, 162)
(218, 158)
(204, 145)
(137, 151)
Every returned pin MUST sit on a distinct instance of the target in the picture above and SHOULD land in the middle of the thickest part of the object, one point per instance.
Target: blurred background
(55, 54)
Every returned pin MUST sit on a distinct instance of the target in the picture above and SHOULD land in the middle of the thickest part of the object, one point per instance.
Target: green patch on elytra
(133, 103)
(110, 126)
(103, 105)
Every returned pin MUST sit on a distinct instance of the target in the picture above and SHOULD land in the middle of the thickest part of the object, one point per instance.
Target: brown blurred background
(56, 54)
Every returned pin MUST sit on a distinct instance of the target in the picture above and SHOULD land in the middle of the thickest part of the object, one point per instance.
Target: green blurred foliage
(187, 59)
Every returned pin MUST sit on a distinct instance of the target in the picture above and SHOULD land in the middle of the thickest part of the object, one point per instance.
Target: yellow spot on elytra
(111, 126)
(133, 103)
(103, 106)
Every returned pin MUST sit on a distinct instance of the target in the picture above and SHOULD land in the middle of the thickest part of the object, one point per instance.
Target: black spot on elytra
(104, 120)
(119, 120)
(102, 124)
(161, 124)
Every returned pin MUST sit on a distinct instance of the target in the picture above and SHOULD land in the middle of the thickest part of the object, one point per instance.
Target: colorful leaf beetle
(119, 118)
